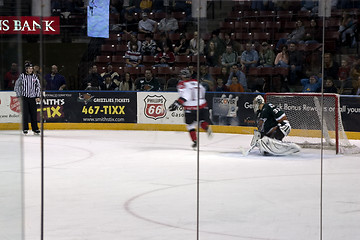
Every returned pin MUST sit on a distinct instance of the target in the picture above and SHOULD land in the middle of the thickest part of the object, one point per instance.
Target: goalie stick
(246, 152)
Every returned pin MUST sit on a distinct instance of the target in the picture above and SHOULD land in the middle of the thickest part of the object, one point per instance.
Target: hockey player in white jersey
(190, 94)
(273, 126)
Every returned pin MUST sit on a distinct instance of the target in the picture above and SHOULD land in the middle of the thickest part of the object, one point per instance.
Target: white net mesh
(305, 115)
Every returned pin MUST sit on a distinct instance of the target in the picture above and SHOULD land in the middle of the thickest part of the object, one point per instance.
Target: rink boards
(229, 112)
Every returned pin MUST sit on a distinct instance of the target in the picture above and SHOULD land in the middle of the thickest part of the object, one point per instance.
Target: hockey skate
(36, 132)
(209, 132)
(25, 132)
(194, 145)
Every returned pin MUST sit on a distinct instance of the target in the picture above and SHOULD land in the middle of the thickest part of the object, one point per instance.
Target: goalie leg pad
(276, 147)
(255, 138)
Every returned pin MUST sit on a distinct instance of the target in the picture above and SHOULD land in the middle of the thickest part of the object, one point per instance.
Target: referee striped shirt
(27, 85)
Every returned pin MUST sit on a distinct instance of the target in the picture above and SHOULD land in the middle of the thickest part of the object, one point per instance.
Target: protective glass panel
(11, 164)
(118, 155)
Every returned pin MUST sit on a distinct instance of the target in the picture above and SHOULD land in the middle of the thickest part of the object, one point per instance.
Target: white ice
(135, 185)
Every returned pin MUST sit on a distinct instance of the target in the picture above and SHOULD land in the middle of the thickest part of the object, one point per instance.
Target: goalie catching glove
(174, 106)
(285, 127)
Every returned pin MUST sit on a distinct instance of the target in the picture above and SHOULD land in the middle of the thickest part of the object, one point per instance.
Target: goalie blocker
(273, 126)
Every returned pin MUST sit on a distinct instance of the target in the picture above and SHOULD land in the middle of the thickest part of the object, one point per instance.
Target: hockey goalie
(272, 126)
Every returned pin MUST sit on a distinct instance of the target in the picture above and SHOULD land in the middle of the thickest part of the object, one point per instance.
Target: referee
(28, 88)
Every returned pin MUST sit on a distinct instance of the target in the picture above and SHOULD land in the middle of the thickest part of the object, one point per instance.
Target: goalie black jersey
(268, 117)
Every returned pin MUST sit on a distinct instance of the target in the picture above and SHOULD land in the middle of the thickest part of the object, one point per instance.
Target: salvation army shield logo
(155, 107)
(15, 104)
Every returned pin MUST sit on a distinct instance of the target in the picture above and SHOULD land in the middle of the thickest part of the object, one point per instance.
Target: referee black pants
(29, 110)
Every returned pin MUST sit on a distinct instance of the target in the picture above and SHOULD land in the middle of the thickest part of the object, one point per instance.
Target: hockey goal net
(307, 118)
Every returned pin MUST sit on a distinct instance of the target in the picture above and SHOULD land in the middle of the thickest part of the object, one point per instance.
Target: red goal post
(314, 126)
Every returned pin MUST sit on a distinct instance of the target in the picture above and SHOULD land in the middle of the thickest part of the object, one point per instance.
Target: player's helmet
(185, 73)
(257, 101)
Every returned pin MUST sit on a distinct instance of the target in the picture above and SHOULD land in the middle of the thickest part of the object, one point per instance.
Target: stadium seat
(174, 37)
(182, 61)
(226, 26)
(241, 26)
(215, 71)
(179, 15)
(134, 71)
(148, 60)
(266, 15)
(284, 15)
(261, 37)
(256, 26)
(118, 59)
(202, 59)
(103, 59)
(243, 37)
(164, 72)
(121, 49)
(107, 49)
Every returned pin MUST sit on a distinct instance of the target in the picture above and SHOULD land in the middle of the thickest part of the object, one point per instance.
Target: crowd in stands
(148, 39)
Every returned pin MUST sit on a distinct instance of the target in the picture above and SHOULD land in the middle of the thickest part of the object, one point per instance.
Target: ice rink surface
(141, 185)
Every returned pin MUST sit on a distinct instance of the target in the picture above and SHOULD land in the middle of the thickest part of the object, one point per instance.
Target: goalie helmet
(257, 101)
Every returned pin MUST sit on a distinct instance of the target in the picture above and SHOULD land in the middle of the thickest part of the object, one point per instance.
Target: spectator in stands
(54, 80)
(110, 71)
(11, 76)
(295, 62)
(331, 68)
(182, 46)
(229, 57)
(195, 47)
(37, 72)
(149, 83)
(344, 70)
(93, 80)
(249, 58)
(163, 41)
(282, 58)
(165, 58)
(355, 69)
(294, 37)
(168, 24)
(108, 83)
(356, 86)
(224, 74)
(212, 55)
(205, 78)
(312, 84)
(347, 30)
(192, 70)
(313, 34)
(133, 57)
(148, 46)
(235, 86)
(147, 25)
(329, 86)
(127, 83)
(312, 6)
(220, 86)
(220, 44)
(227, 40)
(146, 5)
(130, 23)
(235, 71)
(266, 56)
(134, 40)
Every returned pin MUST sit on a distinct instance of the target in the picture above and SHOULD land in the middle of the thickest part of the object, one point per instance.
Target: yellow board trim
(160, 127)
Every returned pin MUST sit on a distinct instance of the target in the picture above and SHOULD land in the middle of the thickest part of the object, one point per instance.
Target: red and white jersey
(188, 91)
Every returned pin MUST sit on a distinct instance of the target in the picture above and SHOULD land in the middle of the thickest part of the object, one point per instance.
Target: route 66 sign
(155, 107)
